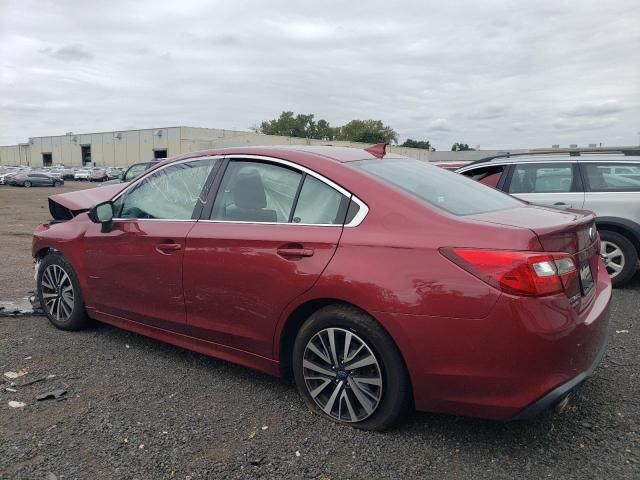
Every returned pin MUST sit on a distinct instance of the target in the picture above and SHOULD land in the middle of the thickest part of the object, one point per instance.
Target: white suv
(607, 184)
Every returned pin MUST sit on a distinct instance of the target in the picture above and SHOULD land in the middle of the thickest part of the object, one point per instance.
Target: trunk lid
(570, 231)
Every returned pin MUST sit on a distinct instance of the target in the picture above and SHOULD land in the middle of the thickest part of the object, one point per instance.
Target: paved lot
(139, 409)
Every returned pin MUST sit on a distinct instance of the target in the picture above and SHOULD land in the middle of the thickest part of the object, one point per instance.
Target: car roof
(339, 154)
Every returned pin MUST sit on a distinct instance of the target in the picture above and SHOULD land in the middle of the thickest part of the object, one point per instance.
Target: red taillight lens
(521, 273)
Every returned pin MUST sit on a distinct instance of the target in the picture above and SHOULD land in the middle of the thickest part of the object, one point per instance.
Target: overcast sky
(491, 73)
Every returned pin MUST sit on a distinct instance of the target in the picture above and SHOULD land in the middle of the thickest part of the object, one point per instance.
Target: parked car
(82, 175)
(132, 172)
(114, 173)
(98, 175)
(607, 184)
(378, 282)
(67, 173)
(6, 176)
(35, 179)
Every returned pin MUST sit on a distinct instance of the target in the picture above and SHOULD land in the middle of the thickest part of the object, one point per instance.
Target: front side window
(170, 193)
(443, 189)
(542, 178)
(612, 177)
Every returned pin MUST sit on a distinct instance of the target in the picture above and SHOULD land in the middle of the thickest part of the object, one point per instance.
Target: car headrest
(249, 191)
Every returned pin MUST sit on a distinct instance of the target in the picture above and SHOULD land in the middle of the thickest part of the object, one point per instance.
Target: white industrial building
(126, 147)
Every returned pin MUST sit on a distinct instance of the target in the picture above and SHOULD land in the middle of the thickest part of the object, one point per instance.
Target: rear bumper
(518, 360)
(556, 395)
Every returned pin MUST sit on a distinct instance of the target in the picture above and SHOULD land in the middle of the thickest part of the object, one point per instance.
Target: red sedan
(380, 283)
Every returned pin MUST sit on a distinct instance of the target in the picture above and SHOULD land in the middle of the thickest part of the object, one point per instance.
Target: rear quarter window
(612, 177)
(446, 190)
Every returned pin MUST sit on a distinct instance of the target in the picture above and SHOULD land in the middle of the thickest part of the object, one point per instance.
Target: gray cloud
(502, 74)
(68, 53)
(596, 109)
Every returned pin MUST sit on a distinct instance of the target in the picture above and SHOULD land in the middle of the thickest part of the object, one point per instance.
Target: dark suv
(606, 183)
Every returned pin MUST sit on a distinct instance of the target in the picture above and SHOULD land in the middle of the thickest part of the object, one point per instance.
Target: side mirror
(102, 213)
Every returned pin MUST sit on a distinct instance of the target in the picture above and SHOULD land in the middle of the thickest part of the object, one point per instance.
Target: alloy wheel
(342, 375)
(57, 293)
(613, 257)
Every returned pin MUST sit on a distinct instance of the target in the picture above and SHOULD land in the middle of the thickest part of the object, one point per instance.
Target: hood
(65, 206)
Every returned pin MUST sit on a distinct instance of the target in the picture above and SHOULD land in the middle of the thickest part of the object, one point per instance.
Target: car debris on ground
(59, 394)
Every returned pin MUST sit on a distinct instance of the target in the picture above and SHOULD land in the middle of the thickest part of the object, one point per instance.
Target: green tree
(367, 131)
(417, 144)
(460, 147)
(301, 125)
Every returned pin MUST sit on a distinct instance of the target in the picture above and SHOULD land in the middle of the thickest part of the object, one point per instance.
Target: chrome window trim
(504, 164)
(357, 219)
(533, 162)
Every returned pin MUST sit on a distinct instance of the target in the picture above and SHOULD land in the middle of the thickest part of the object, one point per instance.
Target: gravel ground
(140, 409)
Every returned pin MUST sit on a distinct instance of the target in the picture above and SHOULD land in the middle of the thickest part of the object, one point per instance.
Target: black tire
(629, 256)
(78, 317)
(27, 184)
(57, 184)
(395, 396)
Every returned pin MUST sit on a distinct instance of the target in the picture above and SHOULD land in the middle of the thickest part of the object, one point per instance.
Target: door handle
(166, 248)
(294, 252)
(562, 204)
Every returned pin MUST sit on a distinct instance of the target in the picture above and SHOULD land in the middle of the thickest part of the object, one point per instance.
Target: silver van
(607, 184)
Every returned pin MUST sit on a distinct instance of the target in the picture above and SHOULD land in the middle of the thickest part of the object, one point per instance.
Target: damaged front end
(65, 206)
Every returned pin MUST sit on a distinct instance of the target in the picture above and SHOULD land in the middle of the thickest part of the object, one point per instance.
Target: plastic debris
(622, 331)
(265, 427)
(18, 374)
(297, 453)
(52, 395)
(11, 390)
(26, 306)
(14, 404)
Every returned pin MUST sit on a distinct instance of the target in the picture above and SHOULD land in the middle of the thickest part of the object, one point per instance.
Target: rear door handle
(295, 252)
(166, 248)
(562, 204)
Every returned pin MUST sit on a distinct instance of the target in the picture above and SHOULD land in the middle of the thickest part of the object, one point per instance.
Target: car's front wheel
(27, 184)
(619, 255)
(59, 293)
(349, 370)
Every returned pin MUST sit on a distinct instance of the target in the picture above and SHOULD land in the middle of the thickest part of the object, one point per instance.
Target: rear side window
(261, 192)
(446, 190)
(256, 192)
(319, 204)
(542, 178)
(612, 177)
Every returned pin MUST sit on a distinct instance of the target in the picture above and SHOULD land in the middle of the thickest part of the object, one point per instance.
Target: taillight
(520, 273)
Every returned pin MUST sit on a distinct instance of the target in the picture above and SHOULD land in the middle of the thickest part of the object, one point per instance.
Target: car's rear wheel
(59, 293)
(27, 184)
(349, 370)
(619, 255)
(57, 184)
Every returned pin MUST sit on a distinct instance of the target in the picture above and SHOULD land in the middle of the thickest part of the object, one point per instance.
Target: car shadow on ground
(552, 426)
